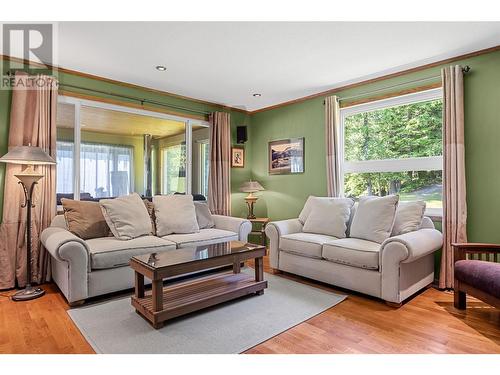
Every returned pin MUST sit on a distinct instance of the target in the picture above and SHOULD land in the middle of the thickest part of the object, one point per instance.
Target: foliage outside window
(395, 147)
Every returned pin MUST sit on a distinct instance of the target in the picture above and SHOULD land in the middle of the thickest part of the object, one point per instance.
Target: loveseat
(392, 269)
(88, 268)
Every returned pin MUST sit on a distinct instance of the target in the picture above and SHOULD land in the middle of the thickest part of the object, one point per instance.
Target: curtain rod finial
(466, 69)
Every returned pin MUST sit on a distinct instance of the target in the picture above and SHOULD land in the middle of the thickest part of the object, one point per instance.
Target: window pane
(414, 185)
(406, 131)
(200, 149)
(174, 168)
(65, 151)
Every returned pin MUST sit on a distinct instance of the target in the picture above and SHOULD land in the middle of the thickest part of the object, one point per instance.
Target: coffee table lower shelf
(193, 295)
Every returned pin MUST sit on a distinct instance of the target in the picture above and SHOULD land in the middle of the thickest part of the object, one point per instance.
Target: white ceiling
(226, 63)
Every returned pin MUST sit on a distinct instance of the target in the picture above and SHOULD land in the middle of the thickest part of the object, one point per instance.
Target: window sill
(435, 214)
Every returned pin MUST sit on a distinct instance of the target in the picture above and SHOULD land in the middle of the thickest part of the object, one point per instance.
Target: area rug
(114, 327)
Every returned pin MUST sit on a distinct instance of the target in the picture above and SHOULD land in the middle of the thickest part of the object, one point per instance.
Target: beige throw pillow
(175, 214)
(151, 211)
(329, 216)
(409, 216)
(84, 219)
(203, 215)
(306, 210)
(374, 218)
(127, 216)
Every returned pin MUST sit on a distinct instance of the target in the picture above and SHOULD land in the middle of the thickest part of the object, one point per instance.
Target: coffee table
(166, 302)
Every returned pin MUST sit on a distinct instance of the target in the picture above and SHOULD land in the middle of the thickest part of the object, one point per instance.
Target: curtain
(32, 121)
(332, 123)
(454, 203)
(219, 175)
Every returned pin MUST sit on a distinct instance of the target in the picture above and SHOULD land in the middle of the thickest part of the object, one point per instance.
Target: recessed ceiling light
(256, 95)
(161, 68)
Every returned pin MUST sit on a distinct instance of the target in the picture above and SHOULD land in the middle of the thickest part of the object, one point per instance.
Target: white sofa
(88, 268)
(392, 271)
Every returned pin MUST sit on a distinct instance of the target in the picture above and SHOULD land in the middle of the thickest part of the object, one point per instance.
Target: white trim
(189, 156)
(431, 163)
(76, 149)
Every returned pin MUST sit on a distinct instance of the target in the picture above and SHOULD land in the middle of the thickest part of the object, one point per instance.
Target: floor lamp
(28, 178)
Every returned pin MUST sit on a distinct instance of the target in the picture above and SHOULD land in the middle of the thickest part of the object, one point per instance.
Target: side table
(262, 230)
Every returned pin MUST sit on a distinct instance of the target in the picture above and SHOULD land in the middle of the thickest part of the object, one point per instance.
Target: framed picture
(237, 157)
(286, 156)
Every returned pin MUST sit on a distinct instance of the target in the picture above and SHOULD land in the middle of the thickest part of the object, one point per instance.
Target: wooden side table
(262, 230)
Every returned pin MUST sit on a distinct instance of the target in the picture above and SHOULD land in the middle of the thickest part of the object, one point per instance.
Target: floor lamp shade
(28, 178)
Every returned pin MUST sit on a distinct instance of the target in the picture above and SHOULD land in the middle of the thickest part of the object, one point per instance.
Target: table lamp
(28, 178)
(251, 187)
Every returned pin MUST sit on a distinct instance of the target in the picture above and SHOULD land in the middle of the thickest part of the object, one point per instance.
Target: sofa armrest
(65, 246)
(234, 224)
(415, 244)
(276, 229)
(74, 254)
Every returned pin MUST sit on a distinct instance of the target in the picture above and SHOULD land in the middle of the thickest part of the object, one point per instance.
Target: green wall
(237, 118)
(286, 194)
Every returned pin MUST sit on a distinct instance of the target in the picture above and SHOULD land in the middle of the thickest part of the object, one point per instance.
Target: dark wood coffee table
(166, 302)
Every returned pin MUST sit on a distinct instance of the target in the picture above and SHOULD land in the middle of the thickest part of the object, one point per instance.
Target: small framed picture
(237, 157)
(286, 156)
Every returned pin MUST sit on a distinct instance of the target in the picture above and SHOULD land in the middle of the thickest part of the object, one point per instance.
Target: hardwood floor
(428, 323)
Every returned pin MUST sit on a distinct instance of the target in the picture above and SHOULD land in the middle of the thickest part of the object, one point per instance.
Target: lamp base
(28, 293)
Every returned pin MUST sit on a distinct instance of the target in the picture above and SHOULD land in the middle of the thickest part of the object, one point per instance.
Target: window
(174, 168)
(204, 166)
(394, 146)
(106, 150)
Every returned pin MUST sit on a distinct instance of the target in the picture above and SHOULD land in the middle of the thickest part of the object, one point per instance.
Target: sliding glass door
(106, 150)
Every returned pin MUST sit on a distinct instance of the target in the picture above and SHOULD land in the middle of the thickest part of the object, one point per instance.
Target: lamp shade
(251, 187)
(28, 155)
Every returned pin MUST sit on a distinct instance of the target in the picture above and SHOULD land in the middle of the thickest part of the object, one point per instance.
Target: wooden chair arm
(462, 249)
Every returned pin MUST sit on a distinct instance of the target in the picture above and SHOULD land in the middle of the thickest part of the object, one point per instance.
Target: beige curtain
(219, 179)
(454, 203)
(332, 123)
(32, 121)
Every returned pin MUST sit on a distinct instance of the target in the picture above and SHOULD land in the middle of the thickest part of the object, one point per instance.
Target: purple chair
(478, 278)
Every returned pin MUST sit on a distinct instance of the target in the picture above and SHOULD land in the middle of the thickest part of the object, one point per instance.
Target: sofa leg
(459, 299)
(394, 305)
(275, 271)
(77, 303)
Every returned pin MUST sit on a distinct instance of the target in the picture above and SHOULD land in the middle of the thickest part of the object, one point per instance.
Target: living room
(192, 187)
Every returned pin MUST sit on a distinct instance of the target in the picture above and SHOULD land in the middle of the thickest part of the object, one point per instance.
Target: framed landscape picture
(286, 156)
(237, 157)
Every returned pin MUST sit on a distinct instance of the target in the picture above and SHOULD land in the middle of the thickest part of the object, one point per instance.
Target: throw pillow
(84, 219)
(409, 216)
(127, 217)
(374, 218)
(306, 210)
(329, 216)
(151, 211)
(203, 215)
(175, 214)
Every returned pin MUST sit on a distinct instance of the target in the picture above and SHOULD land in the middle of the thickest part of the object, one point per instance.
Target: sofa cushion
(306, 244)
(329, 216)
(127, 216)
(408, 217)
(353, 252)
(175, 214)
(109, 252)
(203, 237)
(84, 219)
(479, 274)
(374, 218)
(203, 215)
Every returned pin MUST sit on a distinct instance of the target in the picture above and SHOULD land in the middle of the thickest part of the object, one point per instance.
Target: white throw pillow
(306, 210)
(374, 218)
(127, 216)
(329, 216)
(203, 215)
(175, 214)
(409, 216)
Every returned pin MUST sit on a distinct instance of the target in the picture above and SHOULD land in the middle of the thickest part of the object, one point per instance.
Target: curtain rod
(141, 100)
(465, 69)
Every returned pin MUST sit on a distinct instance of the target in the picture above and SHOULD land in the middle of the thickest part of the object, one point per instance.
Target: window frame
(430, 163)
(79, 102)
